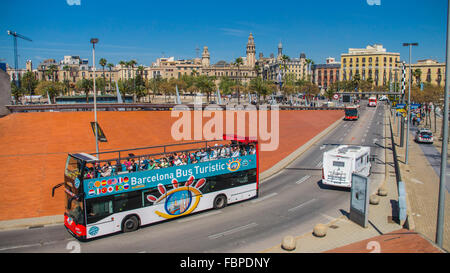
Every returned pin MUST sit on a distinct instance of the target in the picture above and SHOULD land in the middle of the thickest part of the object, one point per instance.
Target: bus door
(74, 215)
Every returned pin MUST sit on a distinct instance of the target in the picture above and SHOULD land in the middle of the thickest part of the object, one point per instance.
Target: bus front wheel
(220, 201)
(130, 224)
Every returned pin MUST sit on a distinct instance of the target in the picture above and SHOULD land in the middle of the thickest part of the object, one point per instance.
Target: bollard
(320, 230)
(382, 191)
(288, 243)
(374, 200)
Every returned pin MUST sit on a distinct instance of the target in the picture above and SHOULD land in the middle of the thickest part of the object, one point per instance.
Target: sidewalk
(384, 234)
(422, 187)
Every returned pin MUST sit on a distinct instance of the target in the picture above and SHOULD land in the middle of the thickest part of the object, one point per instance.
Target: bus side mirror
(55, 187)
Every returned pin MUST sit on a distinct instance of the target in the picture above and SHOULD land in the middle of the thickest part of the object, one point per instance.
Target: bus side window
(127, 201)
(97, 209)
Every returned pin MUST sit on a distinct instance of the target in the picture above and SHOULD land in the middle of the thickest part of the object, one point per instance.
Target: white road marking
(191, 218)
(264, 198)
(322, 147)
(26, 246)
(231, 231)
(328, 217)
(416, 181)
(301, 205)
(303, 179)
(319, 164)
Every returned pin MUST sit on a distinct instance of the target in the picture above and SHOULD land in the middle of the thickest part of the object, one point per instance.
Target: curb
(409, 222)
(294, 155)
(36, 222)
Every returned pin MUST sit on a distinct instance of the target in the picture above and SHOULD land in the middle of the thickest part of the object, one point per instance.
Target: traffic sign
(336, 96)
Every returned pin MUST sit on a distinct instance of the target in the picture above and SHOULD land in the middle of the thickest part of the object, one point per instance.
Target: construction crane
(16, 59)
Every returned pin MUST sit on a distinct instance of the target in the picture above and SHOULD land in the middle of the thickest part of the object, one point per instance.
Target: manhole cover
(334, 227)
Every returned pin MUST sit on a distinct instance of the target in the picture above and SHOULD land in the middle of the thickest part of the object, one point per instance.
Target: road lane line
(28, 246)
(191, 218)
(303, 179)
(301, 205)
(231, 231)
(264, 198)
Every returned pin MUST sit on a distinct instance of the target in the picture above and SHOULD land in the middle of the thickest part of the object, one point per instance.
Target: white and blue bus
(159, 183)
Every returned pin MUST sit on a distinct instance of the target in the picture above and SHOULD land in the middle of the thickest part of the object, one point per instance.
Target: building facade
(294, 68)
(371, 63)
(427, 71)
(324, 75)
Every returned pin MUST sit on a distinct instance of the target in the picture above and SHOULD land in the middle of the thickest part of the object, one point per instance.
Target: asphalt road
(432, 154)
(290, 203)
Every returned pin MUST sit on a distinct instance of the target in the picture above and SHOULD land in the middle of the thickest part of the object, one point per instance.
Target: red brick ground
(34, 147)
(401, 241)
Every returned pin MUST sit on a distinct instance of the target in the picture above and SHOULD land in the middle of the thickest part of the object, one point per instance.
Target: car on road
(424, 136)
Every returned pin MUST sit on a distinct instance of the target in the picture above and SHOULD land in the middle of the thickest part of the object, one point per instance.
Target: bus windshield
(351, 112)
(73, 167)
(76, 211)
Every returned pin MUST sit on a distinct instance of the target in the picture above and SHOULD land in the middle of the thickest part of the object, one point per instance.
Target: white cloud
(74, 2)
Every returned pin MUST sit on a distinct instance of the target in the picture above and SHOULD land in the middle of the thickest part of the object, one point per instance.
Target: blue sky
(145, 30)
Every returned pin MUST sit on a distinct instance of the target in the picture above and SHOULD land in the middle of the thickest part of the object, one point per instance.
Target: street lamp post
(93, 42)
(444, 152)
(410, 45)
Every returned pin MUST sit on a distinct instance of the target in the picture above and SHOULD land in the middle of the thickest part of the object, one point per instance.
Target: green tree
(205, 84)
(16, 92)
(51, 71)
(29, 83)
(86, 85)
(53, 89)
(155, 85)
(225, 85)
(417, 74)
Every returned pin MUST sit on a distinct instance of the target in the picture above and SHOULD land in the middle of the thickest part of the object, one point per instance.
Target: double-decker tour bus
(136, 187)
(351, 112)
(373, 101)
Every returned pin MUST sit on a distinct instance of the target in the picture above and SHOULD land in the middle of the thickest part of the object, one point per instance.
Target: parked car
(424, 136)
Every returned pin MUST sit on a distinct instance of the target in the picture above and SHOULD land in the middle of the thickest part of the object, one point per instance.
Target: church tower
(251, 51)
(205, 57)
(280, 51)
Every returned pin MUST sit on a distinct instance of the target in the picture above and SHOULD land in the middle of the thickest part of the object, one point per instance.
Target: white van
(339, 164)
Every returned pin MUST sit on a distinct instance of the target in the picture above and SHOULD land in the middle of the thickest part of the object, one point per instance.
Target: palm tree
(132, 63)
(103, 63)
(52, 69)
(110, 66)
(309, 64)
(66, 69)
(417, 74)
(238, 63)
(123, 64)
(285, 59)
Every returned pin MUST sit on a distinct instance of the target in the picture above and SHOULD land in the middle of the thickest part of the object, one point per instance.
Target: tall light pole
(442, 190)
(93, 42)
(410, 45)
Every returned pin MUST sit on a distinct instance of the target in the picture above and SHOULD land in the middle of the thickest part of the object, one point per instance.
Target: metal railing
(141, 107)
